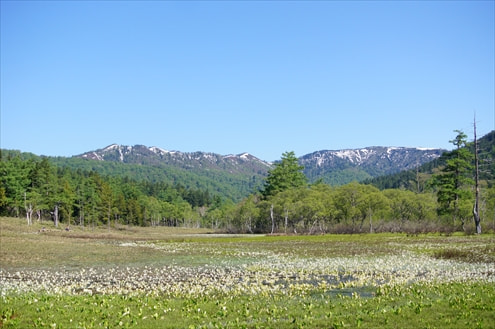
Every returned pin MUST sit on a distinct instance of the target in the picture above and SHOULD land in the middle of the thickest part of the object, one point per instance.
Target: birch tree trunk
(286, 219)
(29, 211)
(29, 214)
(55, 215)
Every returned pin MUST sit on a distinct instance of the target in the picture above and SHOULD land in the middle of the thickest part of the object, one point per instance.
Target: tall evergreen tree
(452, 182)
(286, 174)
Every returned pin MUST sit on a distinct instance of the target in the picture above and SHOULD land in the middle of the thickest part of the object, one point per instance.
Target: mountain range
(155, 156)
(245, 172)
(343, 166)
(235, 176)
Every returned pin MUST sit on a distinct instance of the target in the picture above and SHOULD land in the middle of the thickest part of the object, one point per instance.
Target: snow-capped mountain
(334, 167)
(342, 166)
(140, 154)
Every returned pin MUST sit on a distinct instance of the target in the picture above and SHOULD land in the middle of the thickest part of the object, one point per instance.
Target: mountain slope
(343, 166)
(416, 178)
(231, 176)
(243, 163)
(235, 176)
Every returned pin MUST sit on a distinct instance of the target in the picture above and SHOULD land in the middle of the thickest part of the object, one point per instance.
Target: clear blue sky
(233, 77)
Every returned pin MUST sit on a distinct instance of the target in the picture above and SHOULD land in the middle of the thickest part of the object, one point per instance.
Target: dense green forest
(34, 187)
(438, 196)
(224, 183)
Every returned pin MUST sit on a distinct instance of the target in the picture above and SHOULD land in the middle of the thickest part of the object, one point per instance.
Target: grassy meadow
(159, 277)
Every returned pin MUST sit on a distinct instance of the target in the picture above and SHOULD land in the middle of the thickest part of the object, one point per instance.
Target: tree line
(438, 201)
(444, 203)
(35, 188)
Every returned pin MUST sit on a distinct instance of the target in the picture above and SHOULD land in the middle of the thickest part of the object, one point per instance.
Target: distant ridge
(333, 167)
(343, 166)
(408, 179)
(235, 176)
(140, 154)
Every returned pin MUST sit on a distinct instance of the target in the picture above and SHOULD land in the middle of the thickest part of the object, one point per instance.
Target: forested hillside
(441, 201)
(232, 186)
(438, 196)
(235, 176)
(231, 177)
(415, 179)
(34, 187)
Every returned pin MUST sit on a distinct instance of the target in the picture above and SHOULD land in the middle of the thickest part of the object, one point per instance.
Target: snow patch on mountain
(111, 147)
(425, 148)
(355, 156)
(391, 149)
(374, 161)
(158, 150)
(92, 156)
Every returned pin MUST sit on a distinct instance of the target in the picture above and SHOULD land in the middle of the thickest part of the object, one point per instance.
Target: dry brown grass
(42, 245)
(31, 247)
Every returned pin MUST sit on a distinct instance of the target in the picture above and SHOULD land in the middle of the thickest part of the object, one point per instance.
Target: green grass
(159, 277)
(451, 305)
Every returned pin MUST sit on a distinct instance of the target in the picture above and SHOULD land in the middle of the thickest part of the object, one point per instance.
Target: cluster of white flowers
(394, 269)
(246, 272)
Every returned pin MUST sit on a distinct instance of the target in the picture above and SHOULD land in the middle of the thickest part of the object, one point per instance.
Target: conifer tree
(452, 182)
(286, 174)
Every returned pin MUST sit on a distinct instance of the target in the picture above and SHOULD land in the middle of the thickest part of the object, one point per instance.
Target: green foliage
(350, 208)
(285, 175)
(227, 181)
(33, 186)
(455, 180)
(486, 155)
(450, 305)
(417, 179)
(408, 206)
(341, 174)
(91, 193)
(414, 180)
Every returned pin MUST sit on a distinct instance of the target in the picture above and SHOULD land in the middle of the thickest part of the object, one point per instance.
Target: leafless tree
(476, 213)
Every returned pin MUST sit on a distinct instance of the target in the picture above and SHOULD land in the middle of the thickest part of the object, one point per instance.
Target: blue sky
(233, 77)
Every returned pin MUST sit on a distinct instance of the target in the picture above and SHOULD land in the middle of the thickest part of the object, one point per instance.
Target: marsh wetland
(159, 277)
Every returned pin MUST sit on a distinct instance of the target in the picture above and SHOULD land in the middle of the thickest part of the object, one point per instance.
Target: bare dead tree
(476, 213)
